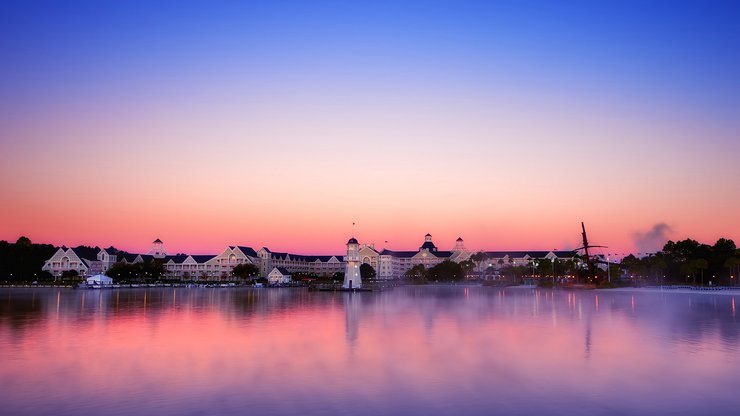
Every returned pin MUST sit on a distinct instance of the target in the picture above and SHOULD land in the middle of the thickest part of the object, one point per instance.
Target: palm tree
(733, 263)
(657, 266)
(698, 265)
(479, 257)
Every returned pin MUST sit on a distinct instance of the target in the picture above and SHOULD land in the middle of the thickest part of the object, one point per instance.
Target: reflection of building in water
(351, 315)
(588, 339)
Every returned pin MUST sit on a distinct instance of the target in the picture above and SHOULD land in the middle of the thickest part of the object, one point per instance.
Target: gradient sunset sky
(281, 123)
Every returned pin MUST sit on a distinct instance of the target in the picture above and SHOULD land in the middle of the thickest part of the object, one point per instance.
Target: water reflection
(351, 315)
(419, 350)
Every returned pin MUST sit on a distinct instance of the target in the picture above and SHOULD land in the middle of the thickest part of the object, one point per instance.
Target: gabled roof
(130, 258)
(88, 253)
(79, 254)
(157, 241)
(371, 248)
(278, 256)
(202, 258)
(428, 245)
(439, 254)
(178, 258)
(249, 251)
(282, 271)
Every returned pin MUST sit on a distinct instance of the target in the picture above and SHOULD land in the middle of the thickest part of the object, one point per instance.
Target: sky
(279, 124)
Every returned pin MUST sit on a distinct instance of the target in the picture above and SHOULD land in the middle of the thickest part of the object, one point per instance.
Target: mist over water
(412, 350)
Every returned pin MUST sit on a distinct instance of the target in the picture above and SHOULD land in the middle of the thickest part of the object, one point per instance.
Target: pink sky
(285, 141)
(294, 178)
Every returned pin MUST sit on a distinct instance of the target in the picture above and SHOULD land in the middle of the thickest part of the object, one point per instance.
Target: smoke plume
(652, 240)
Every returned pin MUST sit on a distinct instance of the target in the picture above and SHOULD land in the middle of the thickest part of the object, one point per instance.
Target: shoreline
(732, 291)
(721, 290)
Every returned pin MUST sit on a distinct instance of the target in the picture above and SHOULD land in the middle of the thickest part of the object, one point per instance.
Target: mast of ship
(589, 261)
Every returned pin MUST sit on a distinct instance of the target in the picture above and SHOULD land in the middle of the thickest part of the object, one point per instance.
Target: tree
(446, 271)
(515, 273)
(152, 269)
(468, 266)
(681, 251)
(697, 265)
(126, 272)
(417, 273)
(479, 257)
(121, 272)
(544, 267)
(366, 271)
(733, 265)
(23, 241)
(23, 260)
(725, 246)
(245, 271)
(70, 275)
(656, 266)
(568, 267)
(723, 250)
(479, 261)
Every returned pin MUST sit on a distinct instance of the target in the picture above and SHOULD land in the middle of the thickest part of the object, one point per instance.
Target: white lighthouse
(157, 251)
(352, 278)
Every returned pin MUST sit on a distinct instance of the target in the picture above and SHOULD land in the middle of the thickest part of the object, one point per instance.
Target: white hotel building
(388, 264)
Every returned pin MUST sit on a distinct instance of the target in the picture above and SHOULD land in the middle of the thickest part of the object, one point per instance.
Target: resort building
(388, 264)
(70, 259)
(279, 276)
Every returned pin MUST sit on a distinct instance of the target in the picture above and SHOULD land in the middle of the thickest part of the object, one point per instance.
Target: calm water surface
(413, 351)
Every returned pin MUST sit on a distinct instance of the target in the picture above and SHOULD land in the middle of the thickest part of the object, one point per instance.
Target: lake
(460, 350)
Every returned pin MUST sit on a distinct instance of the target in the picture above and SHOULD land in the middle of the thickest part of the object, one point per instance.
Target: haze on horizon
(280, 124)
